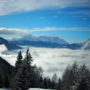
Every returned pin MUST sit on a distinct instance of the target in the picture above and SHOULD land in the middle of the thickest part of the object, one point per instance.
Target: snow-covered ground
(40, 89)
(32, 89)
(52, 60)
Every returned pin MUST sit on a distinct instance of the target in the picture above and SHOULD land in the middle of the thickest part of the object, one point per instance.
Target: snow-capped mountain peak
(45, 38)
(86, 45)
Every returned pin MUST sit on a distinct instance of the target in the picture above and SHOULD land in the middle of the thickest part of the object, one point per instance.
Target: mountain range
(43, 41)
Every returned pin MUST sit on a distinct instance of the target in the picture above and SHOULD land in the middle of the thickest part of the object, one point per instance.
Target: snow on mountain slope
(3, 48)
(9, 45)
(86, 45)
(44, 38)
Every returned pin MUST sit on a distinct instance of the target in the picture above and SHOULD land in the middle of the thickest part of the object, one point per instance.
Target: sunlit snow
(3, 48)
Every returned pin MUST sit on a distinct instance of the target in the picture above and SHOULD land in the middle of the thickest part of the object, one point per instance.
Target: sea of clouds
(51, 60)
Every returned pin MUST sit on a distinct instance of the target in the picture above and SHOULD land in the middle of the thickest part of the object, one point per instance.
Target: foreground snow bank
(32, 89)
(39, 89)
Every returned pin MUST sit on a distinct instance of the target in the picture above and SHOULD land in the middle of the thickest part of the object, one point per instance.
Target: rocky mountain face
(9, 45)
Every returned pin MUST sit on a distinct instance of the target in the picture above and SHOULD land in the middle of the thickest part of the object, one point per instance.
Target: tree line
(75, 77)
(25, 75)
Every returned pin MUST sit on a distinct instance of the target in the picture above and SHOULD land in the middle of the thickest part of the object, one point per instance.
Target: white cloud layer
(11, 6)
(52, 60)
(10, 31)
(17, 33)
(61, 29)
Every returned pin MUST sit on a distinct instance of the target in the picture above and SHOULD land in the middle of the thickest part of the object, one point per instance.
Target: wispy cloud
(11, 6)
(61, 29)
(16, 31)
(11, 31)
(83, 12)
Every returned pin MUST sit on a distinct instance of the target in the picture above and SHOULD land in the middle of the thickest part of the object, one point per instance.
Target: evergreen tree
(19, 60)
(55, 78)
(28, 58)
(54, 81)
(59, 85)
(21, 79)
(1, 82)
(84, 72)
(17, 65)
(45, 83)
(66, 79)
(70, 77)
(83, 84)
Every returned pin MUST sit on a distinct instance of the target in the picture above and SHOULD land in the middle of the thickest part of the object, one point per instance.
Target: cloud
(21, 32)
(61, 29)
(11, 6)
(82, 12)
(12, 31)
(16, 31)
(52, 60)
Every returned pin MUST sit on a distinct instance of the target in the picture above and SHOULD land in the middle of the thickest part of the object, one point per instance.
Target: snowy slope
(39, 89)
(86, 45)
(3, 48)
(32, 89)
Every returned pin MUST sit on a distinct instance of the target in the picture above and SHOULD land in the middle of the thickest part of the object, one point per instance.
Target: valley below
(52, 60)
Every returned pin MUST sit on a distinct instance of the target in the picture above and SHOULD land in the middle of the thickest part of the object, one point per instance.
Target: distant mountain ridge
(9, 45)
(45, 41)
(43, 38)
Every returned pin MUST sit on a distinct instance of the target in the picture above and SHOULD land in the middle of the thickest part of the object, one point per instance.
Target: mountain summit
(86, 45)
(42, 41)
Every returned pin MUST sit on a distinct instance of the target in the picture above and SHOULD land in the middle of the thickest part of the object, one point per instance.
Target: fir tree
(21, 79)
(1, 82)
(28, 58)
(59, 85)
(83, 84)
(19, 60)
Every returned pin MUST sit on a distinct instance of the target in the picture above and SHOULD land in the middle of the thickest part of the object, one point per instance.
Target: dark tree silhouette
(21, 79)
(19, 60)
(59, 85)
(83, 84)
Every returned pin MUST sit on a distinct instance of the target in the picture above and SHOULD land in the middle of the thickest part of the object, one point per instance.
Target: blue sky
(69, 20)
